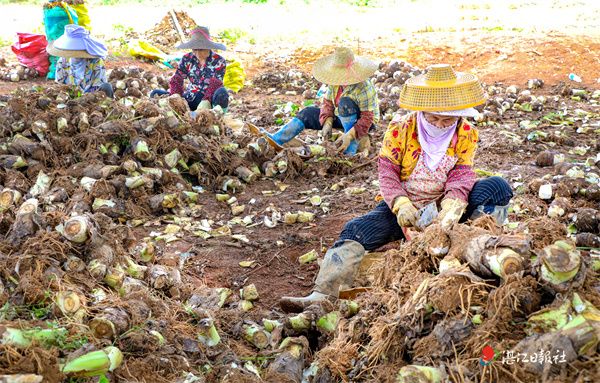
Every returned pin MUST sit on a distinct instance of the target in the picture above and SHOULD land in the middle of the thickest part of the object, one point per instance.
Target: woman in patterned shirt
(204, 69)
(426, 161)
(350, 93)
(81, 60)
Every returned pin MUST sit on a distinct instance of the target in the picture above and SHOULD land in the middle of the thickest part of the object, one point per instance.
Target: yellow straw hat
(441, 89)
(343, 68)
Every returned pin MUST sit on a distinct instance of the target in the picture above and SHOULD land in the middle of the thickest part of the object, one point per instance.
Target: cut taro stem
(548, 320)
(8, 199)
(560, 263)
(110, 323)
(134, 270)
(504, 262)
(114, 277)
(69, 302)
(271, 325)
(328, 323)
(94, 363)
(256, 335)
(301, 322)
(208, 334)
(148, 252)
(141, 150)
(25, 338)
(74, 264)
(249, 293)
(77, 229)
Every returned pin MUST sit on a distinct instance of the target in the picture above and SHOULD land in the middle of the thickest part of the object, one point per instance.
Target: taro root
(563, 167)
(78, 229)
(592, 192)
(9, 198)
(559, 264)
(208, 298)
(558, 207)
(496, 255)
(207, 332)
(548, 158)
(588, 240)
(68, 303)
(164, 277)
(249, 293)
(141, 150)
(255, 335)
(587, 220)
(247, 175)
(27, 221)
(289, 364)
(109, 323)
(21, 378)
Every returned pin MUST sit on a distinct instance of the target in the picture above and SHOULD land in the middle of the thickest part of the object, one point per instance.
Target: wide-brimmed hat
(467, 112)
(76, 42)
(343, 68)
(200, 39)
(441, 89)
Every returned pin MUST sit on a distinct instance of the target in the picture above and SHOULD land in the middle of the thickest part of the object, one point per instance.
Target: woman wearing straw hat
(426, 160)
(204, 69)
(81, 60)
(351, 94)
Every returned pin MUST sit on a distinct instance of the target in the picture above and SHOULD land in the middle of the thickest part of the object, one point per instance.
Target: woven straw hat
(343, 68)
(200, 39)
(441, 89)
(54, 51)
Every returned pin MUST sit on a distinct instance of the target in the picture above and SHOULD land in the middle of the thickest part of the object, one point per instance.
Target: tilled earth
(167, 230)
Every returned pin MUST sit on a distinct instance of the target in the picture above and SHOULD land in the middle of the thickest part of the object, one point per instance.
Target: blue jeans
(220, 97)
(380, 226)
(310, 115)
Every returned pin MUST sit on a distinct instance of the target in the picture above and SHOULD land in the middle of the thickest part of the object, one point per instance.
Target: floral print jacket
(201, 77)
(401, 151)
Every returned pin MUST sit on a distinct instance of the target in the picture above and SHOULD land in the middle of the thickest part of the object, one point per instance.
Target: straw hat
(343, 68)
(200, 39)
(442, 90)
(76, 42)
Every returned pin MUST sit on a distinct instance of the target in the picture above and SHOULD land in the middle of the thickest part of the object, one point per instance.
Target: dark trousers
(310, 115)
(379, 226)
(220, 97)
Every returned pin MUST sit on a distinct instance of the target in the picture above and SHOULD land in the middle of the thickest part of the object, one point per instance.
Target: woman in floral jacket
(204, 69)
(425, 162)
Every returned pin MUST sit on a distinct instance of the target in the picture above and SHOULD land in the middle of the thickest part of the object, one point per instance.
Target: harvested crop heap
(78, 174)
(135, 82)
(165, 36)
(16, 73)
(440, 300)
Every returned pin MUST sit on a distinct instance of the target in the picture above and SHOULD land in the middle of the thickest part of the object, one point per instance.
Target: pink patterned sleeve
(460, 182)
(176, 83)
(326, 111)
(389, 181)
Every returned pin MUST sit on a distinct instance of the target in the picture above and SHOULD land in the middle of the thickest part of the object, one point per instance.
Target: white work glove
(406, 212)
(452, 210)
(205, 104)
(327, 126)
(345, 139)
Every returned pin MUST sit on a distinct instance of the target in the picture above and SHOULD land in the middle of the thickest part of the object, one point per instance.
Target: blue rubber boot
(288, 131)
(348, 123)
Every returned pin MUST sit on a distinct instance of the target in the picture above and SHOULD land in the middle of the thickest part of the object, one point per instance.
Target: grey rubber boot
(338, 270)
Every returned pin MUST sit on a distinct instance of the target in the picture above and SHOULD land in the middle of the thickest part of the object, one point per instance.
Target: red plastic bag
(31, 52)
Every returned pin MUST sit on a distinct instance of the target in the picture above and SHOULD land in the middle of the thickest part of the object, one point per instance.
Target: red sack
(31, 52)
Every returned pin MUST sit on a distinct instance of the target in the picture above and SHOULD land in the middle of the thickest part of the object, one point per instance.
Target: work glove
(345, 139)
(327, 125)
(205, 104)
(406, 212)
(452, 210)
(364, 145)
